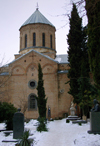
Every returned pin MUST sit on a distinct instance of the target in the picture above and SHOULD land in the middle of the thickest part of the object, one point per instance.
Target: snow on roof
(62, 58)
(4, 74)
(35, 52)
(62, 71)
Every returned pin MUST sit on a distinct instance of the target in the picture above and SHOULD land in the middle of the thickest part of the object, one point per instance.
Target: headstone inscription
(18, 124)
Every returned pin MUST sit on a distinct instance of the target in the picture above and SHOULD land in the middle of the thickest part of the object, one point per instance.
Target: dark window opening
(21, 42)
(32, 102)
(50, 41)
(32, 84)
(34, 39)
(43, 39)
(25, 40)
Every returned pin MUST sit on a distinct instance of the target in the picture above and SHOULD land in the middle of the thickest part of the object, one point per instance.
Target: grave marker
(18, 124)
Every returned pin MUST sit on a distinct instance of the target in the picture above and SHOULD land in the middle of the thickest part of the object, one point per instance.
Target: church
(19, 78)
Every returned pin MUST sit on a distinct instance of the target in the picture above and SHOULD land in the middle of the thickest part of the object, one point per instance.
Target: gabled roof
(61, 59)
(37, 17)
(35, 52)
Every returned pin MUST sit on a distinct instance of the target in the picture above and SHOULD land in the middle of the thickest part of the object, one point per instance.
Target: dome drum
(31, 37)
(37, 33)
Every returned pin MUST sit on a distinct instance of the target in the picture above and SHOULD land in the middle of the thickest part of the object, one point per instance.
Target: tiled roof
(37, 17)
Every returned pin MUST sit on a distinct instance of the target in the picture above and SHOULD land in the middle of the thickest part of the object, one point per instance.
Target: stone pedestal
(94, 123)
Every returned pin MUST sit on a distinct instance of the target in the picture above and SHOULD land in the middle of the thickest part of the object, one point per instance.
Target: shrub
(42, 125)
(25, 141)
(7, 111)
(80, 124)
(67, 121)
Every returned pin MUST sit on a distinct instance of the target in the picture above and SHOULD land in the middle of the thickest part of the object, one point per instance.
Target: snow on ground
(59, 133)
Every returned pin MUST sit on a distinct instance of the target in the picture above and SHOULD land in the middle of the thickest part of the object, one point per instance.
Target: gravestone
(18, 125)
(94, 123)
(95, 118)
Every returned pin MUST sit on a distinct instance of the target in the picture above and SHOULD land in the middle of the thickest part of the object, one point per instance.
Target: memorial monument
(72, 113)
(95, 118)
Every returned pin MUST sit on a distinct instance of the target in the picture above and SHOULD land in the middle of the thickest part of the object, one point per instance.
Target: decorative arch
(31, 65)
(18, 69)
(48, 68)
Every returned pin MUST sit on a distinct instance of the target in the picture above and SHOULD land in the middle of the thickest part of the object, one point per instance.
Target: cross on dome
(37, 6)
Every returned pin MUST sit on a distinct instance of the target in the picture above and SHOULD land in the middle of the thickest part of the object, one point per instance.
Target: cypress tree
(83, 80)
(41, 101)
(93, 14)
(74, 53)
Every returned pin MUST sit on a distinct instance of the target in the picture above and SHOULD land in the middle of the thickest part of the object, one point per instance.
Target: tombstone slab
(94, 123)
(18, 125)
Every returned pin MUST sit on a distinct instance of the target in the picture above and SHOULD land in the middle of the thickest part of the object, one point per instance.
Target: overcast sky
(13, 13)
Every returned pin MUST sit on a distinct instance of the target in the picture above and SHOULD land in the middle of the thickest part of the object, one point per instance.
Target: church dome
(37, 17)
(38, 33)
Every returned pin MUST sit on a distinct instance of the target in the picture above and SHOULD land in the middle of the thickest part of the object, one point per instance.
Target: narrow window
(25, 40)
(43, 39)
(50, 41)
(21, 42)
(32, 102)
(34, 39)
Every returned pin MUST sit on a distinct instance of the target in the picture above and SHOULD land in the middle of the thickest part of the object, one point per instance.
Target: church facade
(37, 45)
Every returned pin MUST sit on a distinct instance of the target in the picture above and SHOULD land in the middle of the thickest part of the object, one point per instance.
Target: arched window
(25, 40)
(43, 39)
(34, 39)
(32, 102)
(50, 41)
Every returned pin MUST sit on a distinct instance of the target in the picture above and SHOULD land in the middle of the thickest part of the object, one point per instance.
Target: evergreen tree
(86, 90)
(41, 101)
(74, 53)
(93, 14)
(85, 56)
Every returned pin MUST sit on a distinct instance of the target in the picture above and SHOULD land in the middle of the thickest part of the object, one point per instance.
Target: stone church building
(37, 45)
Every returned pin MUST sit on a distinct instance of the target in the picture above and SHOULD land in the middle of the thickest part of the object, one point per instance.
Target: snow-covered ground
(59, 133)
